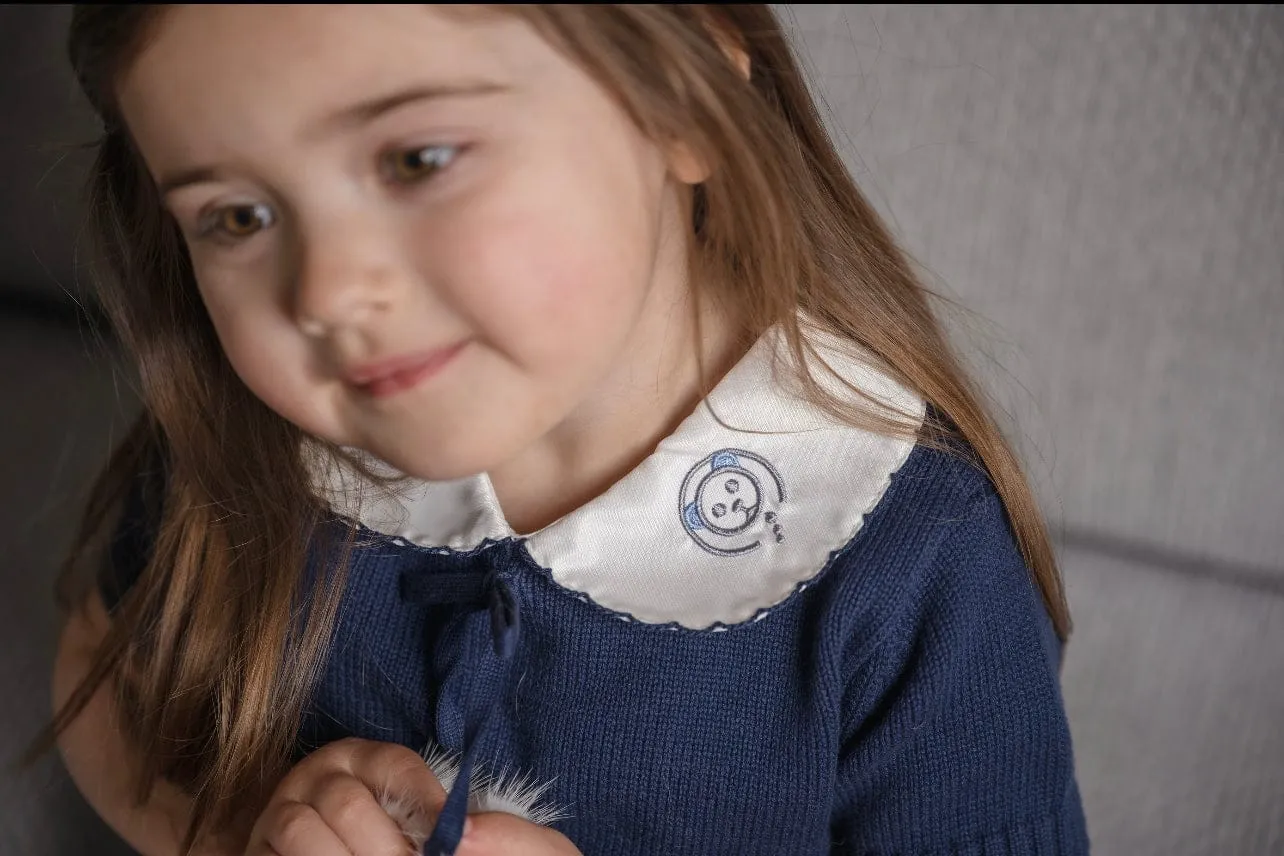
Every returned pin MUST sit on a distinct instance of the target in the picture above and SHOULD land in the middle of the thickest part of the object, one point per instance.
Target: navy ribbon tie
(477, 588)
(505, 619)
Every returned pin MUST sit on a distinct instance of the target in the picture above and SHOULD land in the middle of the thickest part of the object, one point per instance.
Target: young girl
(530, 389)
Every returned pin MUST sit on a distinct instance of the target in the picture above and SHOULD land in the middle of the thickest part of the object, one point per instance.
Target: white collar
(717, 525)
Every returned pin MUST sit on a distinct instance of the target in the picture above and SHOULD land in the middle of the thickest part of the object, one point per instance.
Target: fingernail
(468, 826)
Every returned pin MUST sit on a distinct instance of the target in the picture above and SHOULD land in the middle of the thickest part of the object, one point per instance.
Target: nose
(345, 276)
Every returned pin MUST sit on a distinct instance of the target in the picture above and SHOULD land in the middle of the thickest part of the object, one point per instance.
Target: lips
(391, 376)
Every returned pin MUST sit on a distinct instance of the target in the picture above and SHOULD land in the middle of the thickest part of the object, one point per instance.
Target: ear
(684, 164)
(734, 49)
(730, 39)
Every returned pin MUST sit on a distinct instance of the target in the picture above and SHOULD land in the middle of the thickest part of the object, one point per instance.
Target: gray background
(1101, 187)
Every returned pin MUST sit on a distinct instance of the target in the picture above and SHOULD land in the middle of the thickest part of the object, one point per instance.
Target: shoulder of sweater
(939, 500)
(938, 539)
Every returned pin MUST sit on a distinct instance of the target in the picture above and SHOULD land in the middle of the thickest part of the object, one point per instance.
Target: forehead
(265, 68)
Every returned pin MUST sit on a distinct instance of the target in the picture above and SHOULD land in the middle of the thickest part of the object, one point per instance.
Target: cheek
(266, 353)
(557, 268)
(559, 284)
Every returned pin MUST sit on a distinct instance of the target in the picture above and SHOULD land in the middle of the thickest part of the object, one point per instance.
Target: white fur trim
(734, 511)
(512, 794)
(409, 815)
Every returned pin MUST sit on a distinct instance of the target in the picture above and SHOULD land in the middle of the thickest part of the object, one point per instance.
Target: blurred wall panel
(1106, 185)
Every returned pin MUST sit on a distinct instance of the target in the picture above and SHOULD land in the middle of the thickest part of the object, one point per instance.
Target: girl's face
(422, 233)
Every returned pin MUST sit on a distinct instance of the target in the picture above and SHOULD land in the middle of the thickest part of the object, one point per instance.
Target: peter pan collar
(741, 506)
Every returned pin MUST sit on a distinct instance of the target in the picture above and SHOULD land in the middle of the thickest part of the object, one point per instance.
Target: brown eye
(241, 221)
(410, 165)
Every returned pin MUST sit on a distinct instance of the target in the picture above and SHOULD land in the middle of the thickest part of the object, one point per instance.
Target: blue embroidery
(728, 502)
(724, 459)
(691, 516)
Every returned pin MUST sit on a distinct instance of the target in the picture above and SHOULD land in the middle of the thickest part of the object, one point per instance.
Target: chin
(437, 469)
(458, 456)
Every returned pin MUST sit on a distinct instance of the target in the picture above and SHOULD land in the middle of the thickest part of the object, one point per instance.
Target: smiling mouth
(407, 373)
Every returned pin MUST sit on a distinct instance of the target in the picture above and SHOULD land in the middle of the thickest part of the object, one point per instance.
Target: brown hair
(196, 648)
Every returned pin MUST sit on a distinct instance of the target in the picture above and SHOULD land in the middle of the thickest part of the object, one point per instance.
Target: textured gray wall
(1105, 184)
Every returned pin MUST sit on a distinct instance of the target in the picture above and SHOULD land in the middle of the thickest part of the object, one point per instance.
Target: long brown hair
(196, 648)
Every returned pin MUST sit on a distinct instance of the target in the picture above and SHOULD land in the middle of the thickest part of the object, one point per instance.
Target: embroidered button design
(729, 502)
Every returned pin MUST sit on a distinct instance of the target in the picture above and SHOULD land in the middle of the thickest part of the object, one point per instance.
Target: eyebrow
(367, 111)
(358, 114)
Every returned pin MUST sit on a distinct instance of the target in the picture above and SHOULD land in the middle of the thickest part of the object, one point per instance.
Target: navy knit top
(800, 639)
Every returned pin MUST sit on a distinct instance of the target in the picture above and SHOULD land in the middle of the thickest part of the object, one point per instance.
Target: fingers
(493, 833)
(404, 786)
(296, 828)
(354, 815)
(329, 804)
(398, 771)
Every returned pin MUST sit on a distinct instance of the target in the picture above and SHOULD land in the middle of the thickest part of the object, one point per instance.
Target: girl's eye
(239, 221)
(411, 165)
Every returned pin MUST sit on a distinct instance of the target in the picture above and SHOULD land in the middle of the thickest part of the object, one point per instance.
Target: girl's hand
(327, 804)
(495, 833)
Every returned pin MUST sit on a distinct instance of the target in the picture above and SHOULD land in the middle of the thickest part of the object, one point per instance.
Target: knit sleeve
(955, 739)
